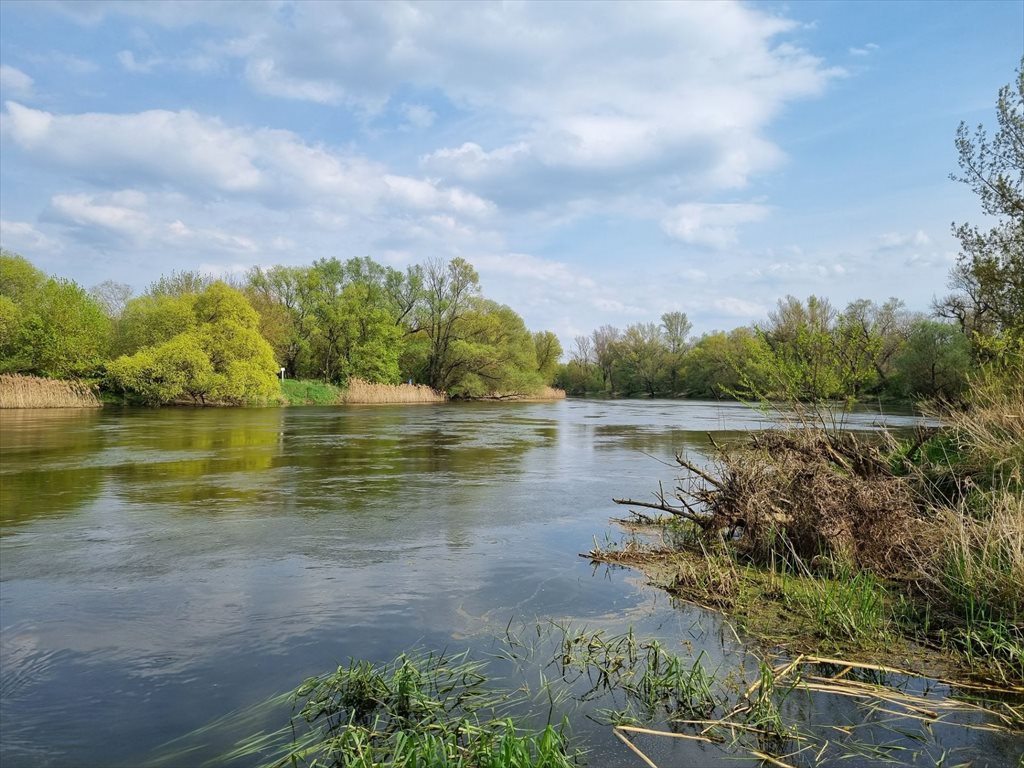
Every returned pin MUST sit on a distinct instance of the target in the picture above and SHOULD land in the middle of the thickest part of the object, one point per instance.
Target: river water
(160, 569)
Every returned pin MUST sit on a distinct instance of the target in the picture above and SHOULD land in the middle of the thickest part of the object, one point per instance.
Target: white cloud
(864, 50)
(129, 63)
(204, 156)
(23, 237)
(14, 82)
(418, 115)
(526, 266)
(896, 240)
(265, 76)
(714, 225)
(85, 211)
(735, 307)
(470, 162)
(594, 97)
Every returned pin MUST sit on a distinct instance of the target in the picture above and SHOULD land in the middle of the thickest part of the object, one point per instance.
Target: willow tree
(219, 357)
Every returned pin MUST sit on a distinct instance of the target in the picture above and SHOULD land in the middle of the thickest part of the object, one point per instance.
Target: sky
(598, 163)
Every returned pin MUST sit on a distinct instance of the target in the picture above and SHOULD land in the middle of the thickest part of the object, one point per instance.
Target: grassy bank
(821, 540)
(32, 392)
(306, 392)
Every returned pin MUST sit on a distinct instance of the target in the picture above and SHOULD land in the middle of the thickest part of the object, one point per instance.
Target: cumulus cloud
(590, 97)
(207, 157)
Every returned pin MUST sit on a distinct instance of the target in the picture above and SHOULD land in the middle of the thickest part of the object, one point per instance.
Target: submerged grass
(450, 710)
(18, 391)
(419, 710)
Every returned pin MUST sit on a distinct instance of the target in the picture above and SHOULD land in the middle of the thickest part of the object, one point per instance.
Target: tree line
(191, 336)
(806, 350)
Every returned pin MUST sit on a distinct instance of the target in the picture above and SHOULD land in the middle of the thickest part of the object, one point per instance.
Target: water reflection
(48, 467)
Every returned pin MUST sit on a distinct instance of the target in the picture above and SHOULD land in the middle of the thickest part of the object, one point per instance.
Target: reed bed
(18, 391)
(550, 393)
(368, 393)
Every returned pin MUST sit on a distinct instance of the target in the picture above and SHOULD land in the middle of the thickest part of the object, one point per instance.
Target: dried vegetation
(18, 391)
(364, 392)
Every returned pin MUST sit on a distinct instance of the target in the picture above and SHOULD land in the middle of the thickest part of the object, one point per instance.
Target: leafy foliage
(221, 358)
(48, 327)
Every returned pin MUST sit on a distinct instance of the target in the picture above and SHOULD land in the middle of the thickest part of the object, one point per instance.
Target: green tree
(677, 327)
(802, 361)
(491, 353)
(935, 361)
(221, 357)
(548, 351)
(283, 297)
(149, 320)
(605, 343)
(721, 364)
(988, 278)
(48, 327)
(19, 280)
(643, 358)
(449, 291)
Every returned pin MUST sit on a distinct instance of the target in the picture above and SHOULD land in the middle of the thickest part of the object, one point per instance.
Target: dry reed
(364, 392)
(550, 393)
(18, 391)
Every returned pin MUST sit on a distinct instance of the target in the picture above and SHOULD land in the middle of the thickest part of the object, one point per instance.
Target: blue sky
(598, 163)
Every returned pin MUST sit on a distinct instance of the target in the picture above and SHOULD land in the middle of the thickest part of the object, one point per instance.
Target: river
(160, 569)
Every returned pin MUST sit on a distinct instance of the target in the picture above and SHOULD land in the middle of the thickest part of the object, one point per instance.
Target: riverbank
(17, 391)
(822, 542)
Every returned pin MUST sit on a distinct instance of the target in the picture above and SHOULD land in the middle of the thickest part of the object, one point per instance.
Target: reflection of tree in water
(48, 462)
(184, 456)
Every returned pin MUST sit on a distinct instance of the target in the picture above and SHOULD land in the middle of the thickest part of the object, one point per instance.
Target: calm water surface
(163, 568)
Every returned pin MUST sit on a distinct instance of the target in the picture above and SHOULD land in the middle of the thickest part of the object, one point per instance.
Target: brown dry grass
(365, 392)
(18, 391)
(550, 393)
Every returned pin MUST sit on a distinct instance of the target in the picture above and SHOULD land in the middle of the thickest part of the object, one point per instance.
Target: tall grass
(550, 393)
(365, 392)
(18, 391)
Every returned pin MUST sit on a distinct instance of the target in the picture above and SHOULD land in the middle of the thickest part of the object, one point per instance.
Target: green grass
(307, 392)
(418, 711)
